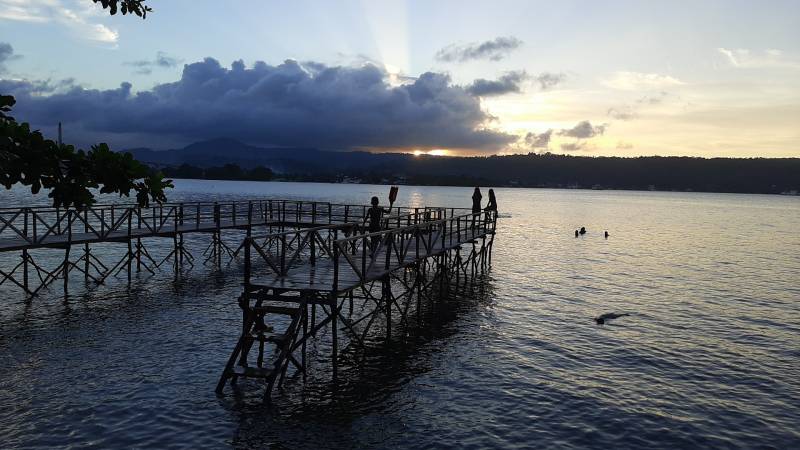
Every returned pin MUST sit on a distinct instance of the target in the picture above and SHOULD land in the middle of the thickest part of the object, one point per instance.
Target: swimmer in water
(608, 316)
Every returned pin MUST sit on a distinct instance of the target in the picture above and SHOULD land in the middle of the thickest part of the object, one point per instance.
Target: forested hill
(754, 175)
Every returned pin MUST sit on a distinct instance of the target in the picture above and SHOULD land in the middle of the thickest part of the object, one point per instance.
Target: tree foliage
(125, 7)
(226, 172)
(27, 157)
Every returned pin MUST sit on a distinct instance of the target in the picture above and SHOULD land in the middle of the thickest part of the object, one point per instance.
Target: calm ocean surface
(709, 358)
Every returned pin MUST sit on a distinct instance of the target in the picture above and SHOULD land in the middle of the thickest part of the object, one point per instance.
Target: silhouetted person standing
(476, 204)
(606, 234)
(476, 201)
(374, 218)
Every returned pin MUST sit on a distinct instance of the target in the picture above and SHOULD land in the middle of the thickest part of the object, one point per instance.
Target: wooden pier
(308, 266)
(289, 276)
(24, 230)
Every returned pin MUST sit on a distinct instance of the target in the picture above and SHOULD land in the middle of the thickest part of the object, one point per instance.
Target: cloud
(290, 104)
(548, 80)
(584, 130)
(573, 146)
(506, 84)
(6, 54)
(622, 145)
(747, 59)
(631, 81)
(631, 111)
(541, 140)
(493, 50)
(145, 66)
(81, 17)
(653, 99)
(624, 113)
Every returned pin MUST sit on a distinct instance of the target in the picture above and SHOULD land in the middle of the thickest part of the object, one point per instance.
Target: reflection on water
(709, 356)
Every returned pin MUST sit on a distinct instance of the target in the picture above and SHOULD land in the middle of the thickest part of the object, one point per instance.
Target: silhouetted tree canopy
(226, 172)
(27, 157)
(125, 7)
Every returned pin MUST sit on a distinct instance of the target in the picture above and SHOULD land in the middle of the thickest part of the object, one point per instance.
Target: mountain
(218, 152)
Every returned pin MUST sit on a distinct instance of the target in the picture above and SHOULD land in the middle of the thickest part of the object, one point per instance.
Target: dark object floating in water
(583, 230)
(608, 316)
(576, 233)
(606, 234)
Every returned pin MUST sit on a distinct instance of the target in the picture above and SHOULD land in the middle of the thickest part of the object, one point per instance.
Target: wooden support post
(25, 271)
(350, 296)
(334, 306)
(129, 257)
(334, 335)
(66, 269)
(86, 251)
(387, 297)
(313, 319)
(138, 254)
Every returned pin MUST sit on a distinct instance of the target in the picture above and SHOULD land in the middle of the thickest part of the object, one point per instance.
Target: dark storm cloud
(287, 104)
(162, 60)
(541, 140)
(548, 80)
(506, 84)
(493, 50)
(6, 54)
(584, 130)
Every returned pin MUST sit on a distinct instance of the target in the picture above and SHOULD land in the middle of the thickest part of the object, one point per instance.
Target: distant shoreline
(579, 188)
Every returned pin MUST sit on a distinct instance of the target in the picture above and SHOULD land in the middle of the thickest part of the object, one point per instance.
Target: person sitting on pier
(492, 205)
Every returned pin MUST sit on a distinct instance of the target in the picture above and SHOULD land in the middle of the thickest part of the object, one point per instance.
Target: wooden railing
(346, 252)
(37, 226)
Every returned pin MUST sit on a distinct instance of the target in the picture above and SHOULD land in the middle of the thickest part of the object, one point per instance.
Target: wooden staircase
(271, 366)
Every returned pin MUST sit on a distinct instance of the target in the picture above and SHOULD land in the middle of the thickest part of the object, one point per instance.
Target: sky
(621, 78)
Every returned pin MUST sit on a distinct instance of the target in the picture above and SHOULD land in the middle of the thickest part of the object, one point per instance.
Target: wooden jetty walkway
(33, 228)
(390, 274)
(308, 266)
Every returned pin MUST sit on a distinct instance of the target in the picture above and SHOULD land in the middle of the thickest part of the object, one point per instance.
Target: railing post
(390, 239)
(247, 243)
(216, 214)
(312, 245)
(233, 212)
(335, 262)
(363, 258)
(249, 216)
(283, 254)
